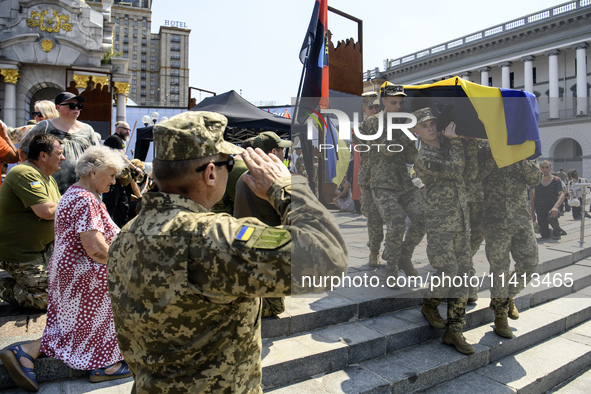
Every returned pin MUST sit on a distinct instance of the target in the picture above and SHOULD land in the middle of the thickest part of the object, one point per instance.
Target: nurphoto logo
(394, 121)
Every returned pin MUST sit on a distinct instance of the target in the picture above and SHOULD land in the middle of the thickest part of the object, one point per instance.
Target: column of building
(581, 78)
(553, 94)
(121, 91)
(11, 77)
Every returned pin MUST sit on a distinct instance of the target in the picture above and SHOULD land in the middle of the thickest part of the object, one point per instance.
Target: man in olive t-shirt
(28, 199)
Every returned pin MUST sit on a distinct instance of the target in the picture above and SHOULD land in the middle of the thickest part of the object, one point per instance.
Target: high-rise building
(158, 63)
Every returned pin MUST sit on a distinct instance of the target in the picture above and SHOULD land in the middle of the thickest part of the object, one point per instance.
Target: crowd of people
(164, 273)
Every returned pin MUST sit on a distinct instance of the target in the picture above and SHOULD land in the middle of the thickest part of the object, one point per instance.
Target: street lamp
(146, 119)
(155, 116)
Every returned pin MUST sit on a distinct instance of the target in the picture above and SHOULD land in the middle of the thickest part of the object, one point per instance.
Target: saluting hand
(264, 170)
(450, 131)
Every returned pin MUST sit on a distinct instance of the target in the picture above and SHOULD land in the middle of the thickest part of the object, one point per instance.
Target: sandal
(24, 377)
(99, 374)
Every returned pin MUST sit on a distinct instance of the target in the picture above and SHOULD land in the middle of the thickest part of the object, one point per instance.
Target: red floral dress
(80, 330)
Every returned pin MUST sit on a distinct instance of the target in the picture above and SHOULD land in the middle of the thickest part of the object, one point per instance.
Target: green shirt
(23, 235)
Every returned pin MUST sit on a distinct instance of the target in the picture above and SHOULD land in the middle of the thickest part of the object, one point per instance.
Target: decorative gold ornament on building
(46, 22)
(10, 75)
(47, 45)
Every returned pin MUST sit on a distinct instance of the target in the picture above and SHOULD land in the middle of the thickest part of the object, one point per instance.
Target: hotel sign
(182, 25)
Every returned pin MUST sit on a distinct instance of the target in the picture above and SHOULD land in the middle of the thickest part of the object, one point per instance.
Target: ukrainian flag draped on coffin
(508, 118)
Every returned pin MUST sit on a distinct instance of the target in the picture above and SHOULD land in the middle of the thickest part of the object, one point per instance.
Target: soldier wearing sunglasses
(75, 135)
(186, 283)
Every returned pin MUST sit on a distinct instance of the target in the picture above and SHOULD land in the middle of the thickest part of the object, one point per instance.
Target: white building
(544, 53)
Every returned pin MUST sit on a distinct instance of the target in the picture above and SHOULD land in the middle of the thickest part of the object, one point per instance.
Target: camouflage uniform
(375, 223)
(475, 203)
(448, 245)
(186, 284)
(395, 194)
(28, 285)
(508, 228)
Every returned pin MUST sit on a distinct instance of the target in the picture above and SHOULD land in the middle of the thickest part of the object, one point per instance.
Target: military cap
(370, 98)
(267, 140)
(423, 115)
(192, 135)
(390, 90)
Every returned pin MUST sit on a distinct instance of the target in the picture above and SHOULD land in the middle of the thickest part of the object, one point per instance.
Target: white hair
(97, 158)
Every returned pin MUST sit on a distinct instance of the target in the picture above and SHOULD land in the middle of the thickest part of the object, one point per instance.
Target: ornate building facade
(50, 46)
(544, 53)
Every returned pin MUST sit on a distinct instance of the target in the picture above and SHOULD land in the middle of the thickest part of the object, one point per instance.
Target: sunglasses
(228, 163)
(73, 105)
(124, 128)
(39, 114)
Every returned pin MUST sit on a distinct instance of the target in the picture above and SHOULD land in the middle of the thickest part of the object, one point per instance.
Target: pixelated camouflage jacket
(185, 286)
(473, 184)
(505, 190)
(388, 169)
(443, 171)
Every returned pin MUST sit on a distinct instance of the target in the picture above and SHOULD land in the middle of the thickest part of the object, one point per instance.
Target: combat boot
(457, 339)
(374, 259)
(513, 313)
(473, 295)
(407, 267)
(392, 276)
(502, 325)
(433, 317)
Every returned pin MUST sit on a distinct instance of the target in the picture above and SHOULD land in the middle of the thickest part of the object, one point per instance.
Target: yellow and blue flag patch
(245, 233)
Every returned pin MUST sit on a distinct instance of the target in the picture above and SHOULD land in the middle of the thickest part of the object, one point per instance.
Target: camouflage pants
(273, 306)
(28, 285)
(476, 225)
(375, 224)
(518, 241)
(392, 207)
(449, 254)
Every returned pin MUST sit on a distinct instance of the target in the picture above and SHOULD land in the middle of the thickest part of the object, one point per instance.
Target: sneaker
(433, 317)
(458, 340)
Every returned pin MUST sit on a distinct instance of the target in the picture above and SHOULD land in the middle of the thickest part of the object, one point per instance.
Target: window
(134, 90)
(144, 23)
(125, 48)
(152, 50)
(152, 58)
(135, 31)
(152, 75)
(117, 21)
(152, 67)
(151, 91)
(135, 40)
(143, 75)
(143, 92)
(135, 23)
(126, 31)
(143, 58)
(134, 56)
(144, 33)
(134, 73)
(534, 75)
(126, 40)
(490, 83)
(174, 98)
(134, 65)
(134, 81)
(125, 56)
(117, 30)
(135, 48)
(174, 80)
(152, 42)
(143, 83)
(126, 22)
(152, 83)
(143, 67)
(511, 80)
(116, 47)
(117, 37)
(144, 41)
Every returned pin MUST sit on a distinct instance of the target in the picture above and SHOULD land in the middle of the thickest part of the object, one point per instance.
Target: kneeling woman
(80, 330)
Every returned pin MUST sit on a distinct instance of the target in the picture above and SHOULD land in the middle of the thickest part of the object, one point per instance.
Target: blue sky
(252, 46)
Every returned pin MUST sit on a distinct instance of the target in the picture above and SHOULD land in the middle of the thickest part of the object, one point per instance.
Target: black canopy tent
(244, 121)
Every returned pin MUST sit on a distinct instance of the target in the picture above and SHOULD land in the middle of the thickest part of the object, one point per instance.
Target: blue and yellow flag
(508, 118)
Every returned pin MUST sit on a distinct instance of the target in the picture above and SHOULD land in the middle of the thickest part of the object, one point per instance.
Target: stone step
(399, 352)
(536, 369)
(356, 303)
(578, 384)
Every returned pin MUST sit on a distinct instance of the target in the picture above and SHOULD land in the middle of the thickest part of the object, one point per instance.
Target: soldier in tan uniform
(186, 284)
(442, 166)
(393, 192)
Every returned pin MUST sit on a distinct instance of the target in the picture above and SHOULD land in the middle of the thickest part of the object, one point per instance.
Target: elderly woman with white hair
(80, 330)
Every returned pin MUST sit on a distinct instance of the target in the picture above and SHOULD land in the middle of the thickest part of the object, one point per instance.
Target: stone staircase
(398, 351)
(374, 339)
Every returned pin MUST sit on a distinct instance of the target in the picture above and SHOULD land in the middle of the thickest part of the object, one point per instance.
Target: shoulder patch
(434, 166)
(272, 238)
(35, 185)
(244, 233)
